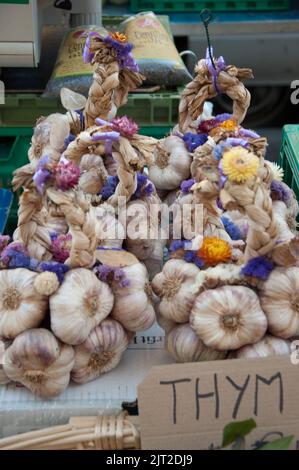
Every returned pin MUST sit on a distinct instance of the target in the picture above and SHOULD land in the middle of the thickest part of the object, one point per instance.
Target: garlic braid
(31, 230)
(81, 226)
(254, 199)
(202, 88)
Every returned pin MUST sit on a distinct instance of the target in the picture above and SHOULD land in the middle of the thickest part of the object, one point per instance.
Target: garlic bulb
(280, 301)
(93, 174)
(176, 287)
(40, 362)
(228, 317)
(109, 230)
(266, 347)
(166, 324)
(21, 306)
(100, 352)
(185, 346)
(79, 305)
(4, 344)
(172, 163)
(133, 305)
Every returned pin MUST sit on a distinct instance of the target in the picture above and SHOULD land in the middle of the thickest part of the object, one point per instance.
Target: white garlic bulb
(228, 317)
(100, 352)
(177, 289)
(93, 174)
(185, 346)
(4, 344)
(21, 306)
(171, 165)
(37, 360)
(133, 305)
(109, 230)
(79, 305)
(267, 347)
(280, 301)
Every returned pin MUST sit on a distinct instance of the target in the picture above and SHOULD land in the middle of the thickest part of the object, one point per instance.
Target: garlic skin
(177, 289)
(228, 317)
(79, 305)
(171, 165)
(267, 347)
(109, 230)
(21, 306)
(37, 360)
(100, 352)
(280, 301)
(133, 305)
(4, 344)
(185, 346)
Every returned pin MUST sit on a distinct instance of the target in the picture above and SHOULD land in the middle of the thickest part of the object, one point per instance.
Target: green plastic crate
(289, 157)
(147, 109)
(216, 5)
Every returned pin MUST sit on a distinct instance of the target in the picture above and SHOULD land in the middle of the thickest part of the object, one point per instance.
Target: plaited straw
(253, 198)
(202, 88)
(105, 432)
(110, 86)
(77, 215)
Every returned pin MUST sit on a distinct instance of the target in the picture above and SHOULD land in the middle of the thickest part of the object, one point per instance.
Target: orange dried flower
(214, 250)
(120, 37)
(229, 125)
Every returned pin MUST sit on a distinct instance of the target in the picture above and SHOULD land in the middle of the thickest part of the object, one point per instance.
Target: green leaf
(236, 430)
(279, 444)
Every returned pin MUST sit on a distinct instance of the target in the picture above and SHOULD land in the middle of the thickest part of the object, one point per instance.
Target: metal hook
(206, 17)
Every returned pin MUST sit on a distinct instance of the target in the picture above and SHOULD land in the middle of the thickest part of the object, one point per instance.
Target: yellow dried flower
(214, 250)
(239, 165)
(120, 37)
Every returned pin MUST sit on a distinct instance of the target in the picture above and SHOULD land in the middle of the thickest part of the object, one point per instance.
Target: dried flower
(60, 247)
(187, 185)
(144, 187)
(109, 187)
(277, 171)
(54, 267)
(120, 37)
(4, 241)
(206, 126)
(66, 175)
(259, 267)
(214, 250)
(229, 125)
(239, 165)
(42, 173)
(248, 133)
(125, 126)
(192, 257)
(232, 229)
(192, 141)
(280, 192)
(15, 255)
(111, 274)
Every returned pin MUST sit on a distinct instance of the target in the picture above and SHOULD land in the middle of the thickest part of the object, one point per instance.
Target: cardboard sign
(186, 406)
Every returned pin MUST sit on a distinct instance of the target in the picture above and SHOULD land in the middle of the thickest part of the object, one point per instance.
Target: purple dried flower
(233, 231)
(66, 175)
(144, 187)
(111, 274)
(54, 267)
(42, 174)
(223, 179)
(187, 185)
(109, 187)
(60, 247)
(259, 267)
(280, 192)
(15, 255)
(206, 126)
(192, 141)
(189, 256)
(177, 245)
(68, 140)
(223, 117)
(248, 133)
(198, 262)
